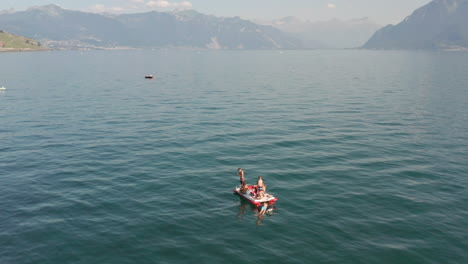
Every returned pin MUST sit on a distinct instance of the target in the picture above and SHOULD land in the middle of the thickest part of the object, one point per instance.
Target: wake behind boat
(250, 195)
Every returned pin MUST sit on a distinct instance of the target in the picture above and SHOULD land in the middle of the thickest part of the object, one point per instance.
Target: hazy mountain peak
(188, 14)
(435, 8)
(51, 7)
(287, 20)
(52, 10)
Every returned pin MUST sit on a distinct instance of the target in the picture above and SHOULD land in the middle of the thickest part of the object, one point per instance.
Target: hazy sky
(380, 11)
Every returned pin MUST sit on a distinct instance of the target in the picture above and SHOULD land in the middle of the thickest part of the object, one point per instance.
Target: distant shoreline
(22, 49)
(455, 49)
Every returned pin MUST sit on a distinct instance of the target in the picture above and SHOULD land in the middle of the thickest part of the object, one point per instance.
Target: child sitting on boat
(244, 188)
(261, 188)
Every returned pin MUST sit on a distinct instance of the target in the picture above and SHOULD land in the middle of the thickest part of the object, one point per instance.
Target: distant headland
(10, 42)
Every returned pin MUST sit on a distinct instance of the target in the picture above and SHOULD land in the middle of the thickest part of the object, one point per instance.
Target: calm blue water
(366, 151)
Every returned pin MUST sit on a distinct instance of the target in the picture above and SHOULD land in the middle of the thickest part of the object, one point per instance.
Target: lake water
(365, 150)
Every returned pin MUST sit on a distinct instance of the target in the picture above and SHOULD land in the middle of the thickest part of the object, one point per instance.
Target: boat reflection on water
(243, 206)
(259, 219)
(241, 212)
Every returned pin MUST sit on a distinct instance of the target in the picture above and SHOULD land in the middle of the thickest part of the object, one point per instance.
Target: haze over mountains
(441, 24)
(331, 34)
(56, 26)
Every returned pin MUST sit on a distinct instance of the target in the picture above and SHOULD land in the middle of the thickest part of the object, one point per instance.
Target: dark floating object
(149, 77)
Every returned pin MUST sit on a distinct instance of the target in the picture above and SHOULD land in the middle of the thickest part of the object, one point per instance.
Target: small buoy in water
(149, 76)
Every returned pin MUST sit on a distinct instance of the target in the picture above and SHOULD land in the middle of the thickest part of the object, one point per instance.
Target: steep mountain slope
(441, 24)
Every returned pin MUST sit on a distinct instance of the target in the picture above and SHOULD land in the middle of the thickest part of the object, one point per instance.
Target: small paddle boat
(149, 76)
(251, 196)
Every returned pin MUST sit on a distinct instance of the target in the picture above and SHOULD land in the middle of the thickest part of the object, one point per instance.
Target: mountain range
(58, 27)
(441, 24)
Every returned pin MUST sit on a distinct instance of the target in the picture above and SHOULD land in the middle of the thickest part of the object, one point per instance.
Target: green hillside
(13, 42)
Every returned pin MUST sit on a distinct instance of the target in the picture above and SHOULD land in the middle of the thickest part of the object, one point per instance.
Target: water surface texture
(366, 151)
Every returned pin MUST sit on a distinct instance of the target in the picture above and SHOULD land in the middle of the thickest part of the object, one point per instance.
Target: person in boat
(261, 188)
(241, 174)
(244, 188)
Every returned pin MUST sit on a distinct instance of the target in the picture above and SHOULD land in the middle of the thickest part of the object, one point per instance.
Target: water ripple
(365, 150)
